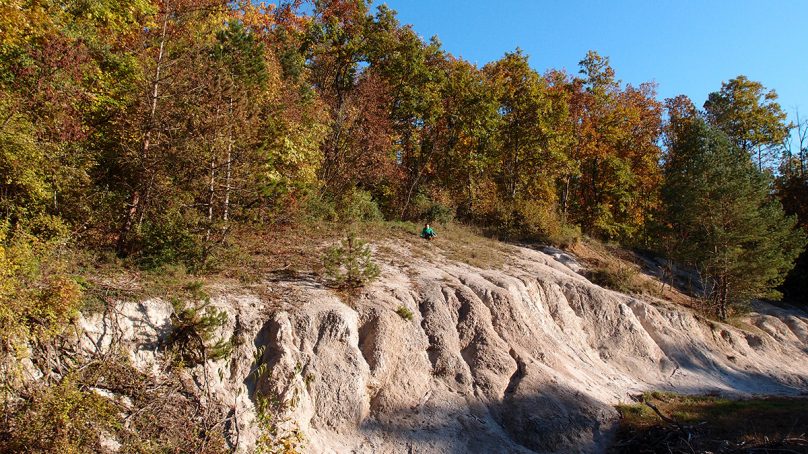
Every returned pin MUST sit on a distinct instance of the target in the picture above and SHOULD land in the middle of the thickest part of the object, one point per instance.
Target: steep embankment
(527, 357)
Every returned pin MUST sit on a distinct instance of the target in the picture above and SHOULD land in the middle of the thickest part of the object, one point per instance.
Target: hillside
(181, 182)
(515, 353)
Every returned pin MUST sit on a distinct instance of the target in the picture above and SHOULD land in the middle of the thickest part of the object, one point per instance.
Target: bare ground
(509, 349)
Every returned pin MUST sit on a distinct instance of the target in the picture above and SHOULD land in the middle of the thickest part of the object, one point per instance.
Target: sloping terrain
(527, 356)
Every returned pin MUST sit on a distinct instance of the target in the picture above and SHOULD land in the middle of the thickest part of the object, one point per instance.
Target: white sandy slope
(531, 357)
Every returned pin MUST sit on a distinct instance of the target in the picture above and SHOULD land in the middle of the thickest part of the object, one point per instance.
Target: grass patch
(455, 242)
(711, 423)
(463, 244)
(615, 268)
(253, 256)
(405, 313)
(615, 277)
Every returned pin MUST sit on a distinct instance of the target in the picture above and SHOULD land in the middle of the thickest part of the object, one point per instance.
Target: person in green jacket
(427, 233)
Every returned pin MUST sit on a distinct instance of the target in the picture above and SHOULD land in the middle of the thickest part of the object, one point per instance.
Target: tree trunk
(416, 181)
(565, 197)
(228, 173)
(760, 158)
(134, 204)
(722, 299)
(470, 194)
(514, 168)
(211, 191)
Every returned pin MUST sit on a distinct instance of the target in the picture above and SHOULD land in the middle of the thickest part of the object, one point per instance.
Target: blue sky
(687, 46)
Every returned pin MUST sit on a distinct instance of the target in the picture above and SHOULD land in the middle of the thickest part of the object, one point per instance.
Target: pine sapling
(350, 264)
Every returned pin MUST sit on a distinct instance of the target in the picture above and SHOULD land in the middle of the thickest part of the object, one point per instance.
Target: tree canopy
(154, 127)
(719, 218)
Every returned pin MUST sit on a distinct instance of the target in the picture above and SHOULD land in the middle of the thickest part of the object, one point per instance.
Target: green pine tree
(350, 263)
(721, 219)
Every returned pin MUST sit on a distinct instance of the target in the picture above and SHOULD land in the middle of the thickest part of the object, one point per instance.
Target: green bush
(535, 221)
(619, 278)
(565, 235)
(193, 330)
(543, 222)
(355, 205)
(108, 397)
(63, 418)
(405, 313)
(432, 211)
(278, 434)
(421, 203)
(38, 297)
(170, 240)
(440, 213)
(319, 208)
(350, 264)
(358, 205)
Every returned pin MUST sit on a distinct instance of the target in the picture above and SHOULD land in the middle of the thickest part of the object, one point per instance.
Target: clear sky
(686, 46)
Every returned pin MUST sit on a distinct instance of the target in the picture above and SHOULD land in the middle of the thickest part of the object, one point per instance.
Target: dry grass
(622, 270)
(455, 242)
(143, 412)
(253, 255)
(713, 424)
(462, 244)
(250, 257)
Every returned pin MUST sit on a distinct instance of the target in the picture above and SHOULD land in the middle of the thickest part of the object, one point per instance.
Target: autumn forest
(156, 129)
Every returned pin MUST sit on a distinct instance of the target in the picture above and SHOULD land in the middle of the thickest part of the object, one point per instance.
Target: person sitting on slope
(427, 233)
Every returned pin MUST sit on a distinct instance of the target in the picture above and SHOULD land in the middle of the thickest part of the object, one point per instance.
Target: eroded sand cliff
(529, 357)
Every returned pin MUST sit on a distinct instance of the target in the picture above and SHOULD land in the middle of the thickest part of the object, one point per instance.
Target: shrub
(440, 213)
(565, 236)
(543, 222)
(405, 313)
(278, 434)
(193, 332)
(60, 418)
(358, 205)
(319, 208)
(38, 298)
(350, 263)
(432, 211)
(355, 205)
(108, 398)
(535, 220)
(618, 277)
(170, 240)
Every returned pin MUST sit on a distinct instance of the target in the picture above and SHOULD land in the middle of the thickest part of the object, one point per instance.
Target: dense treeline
(152, 127)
